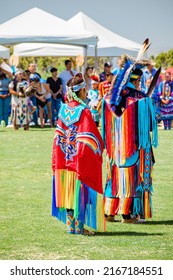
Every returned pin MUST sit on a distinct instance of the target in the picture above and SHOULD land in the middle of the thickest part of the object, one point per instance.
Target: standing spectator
(42, 90)
(20, 107)
(32, 70)
(107, 70)
(146, 79)
(66, 75)
(165, 94)
(56, 89)
(105, 86)
(5, 97)
(116, 70)
(87, 77)
(26, 75)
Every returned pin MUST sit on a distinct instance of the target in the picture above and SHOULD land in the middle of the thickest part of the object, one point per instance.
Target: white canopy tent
(109, 43)
(36, 25)
(4, 52)
(44, 49)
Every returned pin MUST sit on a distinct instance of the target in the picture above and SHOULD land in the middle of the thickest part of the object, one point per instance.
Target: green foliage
(29, 232)
(25, 61)
(45, 63)
(164, 59)
(170, 57)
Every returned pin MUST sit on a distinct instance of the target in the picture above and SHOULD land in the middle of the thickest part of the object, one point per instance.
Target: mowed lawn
(28, 231)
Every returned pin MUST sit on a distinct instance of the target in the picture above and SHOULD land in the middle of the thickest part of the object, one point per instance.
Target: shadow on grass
(36, 129)
(127, 233)
(167, 222)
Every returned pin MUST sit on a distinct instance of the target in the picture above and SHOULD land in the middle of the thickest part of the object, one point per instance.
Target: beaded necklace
(71, 95)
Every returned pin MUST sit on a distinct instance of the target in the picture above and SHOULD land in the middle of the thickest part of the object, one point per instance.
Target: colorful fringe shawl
(77, 167)
(129, 157)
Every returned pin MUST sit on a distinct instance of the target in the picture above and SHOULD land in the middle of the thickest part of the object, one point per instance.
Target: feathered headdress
(127, 65)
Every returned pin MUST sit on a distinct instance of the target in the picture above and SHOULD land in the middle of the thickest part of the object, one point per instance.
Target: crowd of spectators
(26, 99)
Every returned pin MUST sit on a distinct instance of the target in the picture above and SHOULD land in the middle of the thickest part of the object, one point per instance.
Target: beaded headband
(79, 86)
(134, 76)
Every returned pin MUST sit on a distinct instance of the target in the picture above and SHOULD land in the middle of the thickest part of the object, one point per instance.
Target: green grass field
(28, 231)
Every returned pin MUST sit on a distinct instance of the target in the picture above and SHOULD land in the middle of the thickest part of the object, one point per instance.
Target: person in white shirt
(66, 75)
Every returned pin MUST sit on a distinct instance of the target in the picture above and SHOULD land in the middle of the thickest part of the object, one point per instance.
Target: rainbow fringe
(129, 157)
(71, 193)
(111, 206)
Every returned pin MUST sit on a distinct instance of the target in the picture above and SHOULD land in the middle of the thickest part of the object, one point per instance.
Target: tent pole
(85, 51)
(96, 59)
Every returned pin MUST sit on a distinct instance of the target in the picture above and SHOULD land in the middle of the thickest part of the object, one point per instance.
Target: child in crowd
(93, 96)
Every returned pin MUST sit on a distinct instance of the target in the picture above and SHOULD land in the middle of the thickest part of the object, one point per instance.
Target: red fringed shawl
(79, 148)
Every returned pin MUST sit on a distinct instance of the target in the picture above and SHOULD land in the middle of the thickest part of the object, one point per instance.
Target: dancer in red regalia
(77, 165)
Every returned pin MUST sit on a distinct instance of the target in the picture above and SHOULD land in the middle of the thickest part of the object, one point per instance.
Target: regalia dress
(126, 132)
(77, 167)
(166, 103)
(20, 106)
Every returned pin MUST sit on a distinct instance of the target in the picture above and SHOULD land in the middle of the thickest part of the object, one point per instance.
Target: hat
(34, 78)
(94, 79)
(150, 62)
(19, 71)
(53, 69)
(23, 84)
(107, 64)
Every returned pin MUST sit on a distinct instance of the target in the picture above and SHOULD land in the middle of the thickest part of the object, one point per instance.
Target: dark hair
(88, 67)
(2, 75)
(76, 80)
(137, 72)
(109, 74)
(27, 71)
(53, 69)
(67, 61)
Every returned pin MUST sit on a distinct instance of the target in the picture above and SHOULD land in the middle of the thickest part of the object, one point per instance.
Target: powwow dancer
(20, 101)
(165, 95)
(127, 120)
(77, 164)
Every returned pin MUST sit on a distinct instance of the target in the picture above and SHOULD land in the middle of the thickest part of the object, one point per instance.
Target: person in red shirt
(105, 86)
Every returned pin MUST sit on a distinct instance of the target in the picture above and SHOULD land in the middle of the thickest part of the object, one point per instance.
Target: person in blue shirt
(147, 77)
(107, 70)
(5, 97)
(116, 70)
